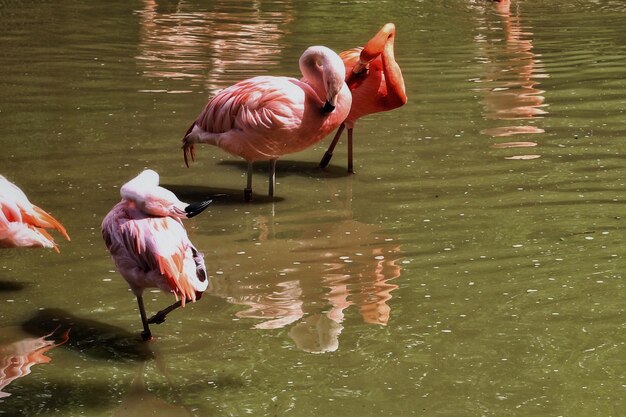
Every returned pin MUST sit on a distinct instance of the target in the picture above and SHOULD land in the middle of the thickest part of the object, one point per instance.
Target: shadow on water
(154, 392)
(220, 196)
(8, 286)
(230, 196)
(90, 337)
(57, 396)
(158, 396)
(288, 167)
(141, 401)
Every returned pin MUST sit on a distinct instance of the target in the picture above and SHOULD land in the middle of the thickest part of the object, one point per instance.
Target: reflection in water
(310, 271)
(18, 357)
(316, 334)
(512, 70)
(228, 43)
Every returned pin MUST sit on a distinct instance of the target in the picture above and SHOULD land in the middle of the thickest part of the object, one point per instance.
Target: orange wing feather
(46, 220)
(158, 242)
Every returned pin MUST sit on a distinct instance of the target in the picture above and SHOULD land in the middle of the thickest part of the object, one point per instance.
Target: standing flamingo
(23, 224)
(263, 118)
(376, 83)
(150, 247)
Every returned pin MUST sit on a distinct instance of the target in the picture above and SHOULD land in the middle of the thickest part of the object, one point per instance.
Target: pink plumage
(263, 118)
(23, 224)
(150, 247)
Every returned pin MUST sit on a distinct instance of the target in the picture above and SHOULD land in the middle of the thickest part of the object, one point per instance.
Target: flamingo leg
(272, 179)
(350, 153)
(145, 335)
(159, 317)
(247, 192)
(329, 152)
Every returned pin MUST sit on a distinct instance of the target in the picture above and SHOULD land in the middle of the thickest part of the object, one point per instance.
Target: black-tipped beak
(194, 209)
(327, 107)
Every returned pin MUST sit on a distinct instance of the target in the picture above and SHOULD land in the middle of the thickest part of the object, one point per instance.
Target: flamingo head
(325, 71)
(375, 46)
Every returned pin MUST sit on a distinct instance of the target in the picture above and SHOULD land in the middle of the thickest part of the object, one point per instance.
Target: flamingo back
(252, 104)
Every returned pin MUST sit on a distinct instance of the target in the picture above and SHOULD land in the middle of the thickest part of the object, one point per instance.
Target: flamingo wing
(350, 57)
(161, 245)
(16, 234)
(38, 217)
(260, 104)
(15, 207)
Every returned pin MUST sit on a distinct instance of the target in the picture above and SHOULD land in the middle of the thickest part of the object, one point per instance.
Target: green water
(471, 267)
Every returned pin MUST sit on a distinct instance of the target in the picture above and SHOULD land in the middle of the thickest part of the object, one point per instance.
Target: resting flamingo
(23, 224)
(375, 80)
(150, 247)
(263, 118)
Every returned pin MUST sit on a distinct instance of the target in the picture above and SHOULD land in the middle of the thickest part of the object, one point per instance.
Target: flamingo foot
(326, 159)
(247, 194)
(158, 318)
(146, 335)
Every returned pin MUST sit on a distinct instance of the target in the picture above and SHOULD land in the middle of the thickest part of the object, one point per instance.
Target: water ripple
(216, 47)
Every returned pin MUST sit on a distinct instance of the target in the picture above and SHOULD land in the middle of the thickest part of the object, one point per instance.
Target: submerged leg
(145, 335)
(272, 179)
(159, 317)
(350, 163)
(329, 153)
(247, 192)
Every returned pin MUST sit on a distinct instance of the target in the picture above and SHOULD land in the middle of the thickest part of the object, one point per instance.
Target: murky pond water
(471, 267)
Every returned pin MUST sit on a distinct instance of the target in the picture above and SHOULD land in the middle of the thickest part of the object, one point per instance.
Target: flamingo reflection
(18, 357)
(227, 43)
(313, 275)
(512, 69)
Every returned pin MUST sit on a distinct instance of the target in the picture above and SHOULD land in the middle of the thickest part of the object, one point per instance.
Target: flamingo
(23, 224)
(150, 246)
(375, 80)
(265, 117)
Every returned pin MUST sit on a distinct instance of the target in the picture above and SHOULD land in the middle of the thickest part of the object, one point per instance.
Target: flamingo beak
(196, 208)
(375, 46)
(328, 107)
(359, 68)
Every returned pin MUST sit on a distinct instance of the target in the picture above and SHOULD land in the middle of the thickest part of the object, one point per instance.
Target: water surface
(471, 266)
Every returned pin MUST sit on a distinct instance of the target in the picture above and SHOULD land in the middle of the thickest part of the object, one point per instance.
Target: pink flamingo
(150, 247)
(375, 80)
(23, 224)
(263, 118)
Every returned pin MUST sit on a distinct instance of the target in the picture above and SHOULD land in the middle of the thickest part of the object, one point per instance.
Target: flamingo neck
(312, 75)
(393, 75)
